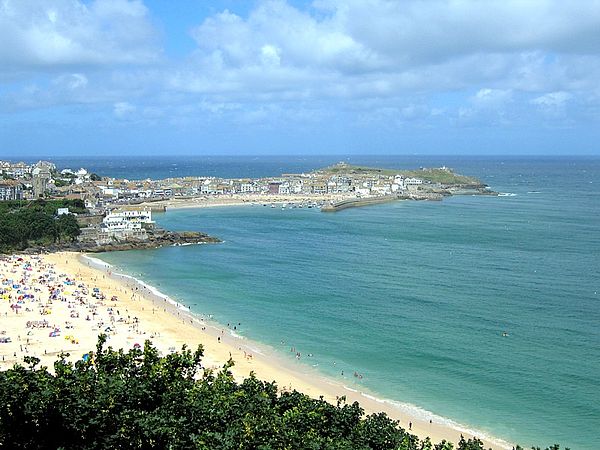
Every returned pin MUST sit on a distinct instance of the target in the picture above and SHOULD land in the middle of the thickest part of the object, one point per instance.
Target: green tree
(140, 399)
(67, 227)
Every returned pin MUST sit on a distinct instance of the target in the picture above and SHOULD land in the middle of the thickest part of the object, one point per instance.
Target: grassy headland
(442, 175)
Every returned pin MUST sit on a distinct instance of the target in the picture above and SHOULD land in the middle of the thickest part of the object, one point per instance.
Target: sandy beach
(207, 201)
(61, 302)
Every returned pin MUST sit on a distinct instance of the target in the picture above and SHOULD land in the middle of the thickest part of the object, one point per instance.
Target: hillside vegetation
(26, 223)
(434, 175)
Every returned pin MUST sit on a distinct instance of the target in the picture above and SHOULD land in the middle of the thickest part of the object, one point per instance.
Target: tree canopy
(25, 223)
(140, 399)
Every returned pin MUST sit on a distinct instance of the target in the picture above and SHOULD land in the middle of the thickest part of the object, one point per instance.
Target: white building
(10, 190)
(284, 188)
(110, 192)
(127, 222)
(413, 182)
(247, 188)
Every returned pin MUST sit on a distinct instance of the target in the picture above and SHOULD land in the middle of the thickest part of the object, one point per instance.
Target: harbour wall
(356, 202)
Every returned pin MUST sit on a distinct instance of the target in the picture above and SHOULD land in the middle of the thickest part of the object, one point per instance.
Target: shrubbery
(138, 399)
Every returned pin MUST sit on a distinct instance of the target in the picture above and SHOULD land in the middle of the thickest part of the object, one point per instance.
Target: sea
(480, 311)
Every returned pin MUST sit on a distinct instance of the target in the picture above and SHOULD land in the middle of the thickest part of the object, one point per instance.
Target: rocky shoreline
(156, 239)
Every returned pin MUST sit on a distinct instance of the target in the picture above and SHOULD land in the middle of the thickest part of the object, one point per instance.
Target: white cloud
(352, 48)
(71, 81)
(431, 32)
(553, 105)
(270, 55)
(491, 98)
(304, 40)
(488, 107)
(497, 60)
(56, 33)
(123, 109)
(552, 100)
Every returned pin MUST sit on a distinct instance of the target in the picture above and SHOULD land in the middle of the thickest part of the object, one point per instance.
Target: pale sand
(208, 201)
(166, 325)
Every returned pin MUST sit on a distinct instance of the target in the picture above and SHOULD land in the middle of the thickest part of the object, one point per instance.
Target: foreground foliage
(138, 399)
(27, 223)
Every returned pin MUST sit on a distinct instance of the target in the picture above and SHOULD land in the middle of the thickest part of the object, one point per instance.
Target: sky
(152, 77)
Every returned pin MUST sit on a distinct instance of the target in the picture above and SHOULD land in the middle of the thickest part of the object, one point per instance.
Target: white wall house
(413, 182)
(246, 188)
(126, 224)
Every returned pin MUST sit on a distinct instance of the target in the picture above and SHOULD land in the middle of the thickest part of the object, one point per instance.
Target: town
(121, 209)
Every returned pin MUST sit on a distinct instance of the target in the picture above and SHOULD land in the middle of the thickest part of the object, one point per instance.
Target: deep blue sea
(414, 295)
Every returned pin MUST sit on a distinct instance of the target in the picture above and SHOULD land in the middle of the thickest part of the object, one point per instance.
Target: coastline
(244, 200)
(169, 325)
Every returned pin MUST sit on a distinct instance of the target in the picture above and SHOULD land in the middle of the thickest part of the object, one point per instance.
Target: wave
(255, 350)
(506, 194)
(235, 335)
(425, 415)
(99, 264)
(96, 263)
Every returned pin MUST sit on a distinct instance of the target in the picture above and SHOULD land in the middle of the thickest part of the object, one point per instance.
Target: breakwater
(356, 202)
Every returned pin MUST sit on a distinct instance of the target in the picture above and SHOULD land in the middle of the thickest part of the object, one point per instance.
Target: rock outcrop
(156, 238)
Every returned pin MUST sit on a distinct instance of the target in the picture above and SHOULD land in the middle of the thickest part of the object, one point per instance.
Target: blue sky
(139, 77)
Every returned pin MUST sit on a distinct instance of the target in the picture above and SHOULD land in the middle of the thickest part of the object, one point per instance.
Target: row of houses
(11, 190)
(15, 170)
(106, 192)
(42, 178)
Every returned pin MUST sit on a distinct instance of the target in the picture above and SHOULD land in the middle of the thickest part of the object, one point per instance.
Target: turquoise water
(416, 295)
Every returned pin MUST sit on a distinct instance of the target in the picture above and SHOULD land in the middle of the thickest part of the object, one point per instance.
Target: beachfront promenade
(60, 303)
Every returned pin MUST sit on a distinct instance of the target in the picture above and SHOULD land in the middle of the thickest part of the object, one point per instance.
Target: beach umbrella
(136, 345)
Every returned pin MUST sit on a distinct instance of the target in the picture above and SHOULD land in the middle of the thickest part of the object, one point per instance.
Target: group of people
(39, 303)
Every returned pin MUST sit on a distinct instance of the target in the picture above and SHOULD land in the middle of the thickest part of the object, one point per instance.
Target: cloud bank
(369, 64)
